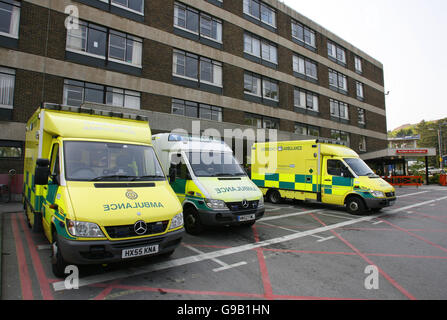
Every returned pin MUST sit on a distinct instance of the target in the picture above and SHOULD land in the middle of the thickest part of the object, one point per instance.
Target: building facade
(230, 64)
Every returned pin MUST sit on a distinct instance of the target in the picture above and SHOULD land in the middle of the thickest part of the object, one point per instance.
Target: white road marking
(320, 239)
(411, 194)
(414, 205)
(288, 215)
(327, 238)
(44, 247)
(129, 272)
(224, 266)
(377, 222)
(336, 215)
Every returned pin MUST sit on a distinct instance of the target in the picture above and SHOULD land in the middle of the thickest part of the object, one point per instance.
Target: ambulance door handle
(327, 180)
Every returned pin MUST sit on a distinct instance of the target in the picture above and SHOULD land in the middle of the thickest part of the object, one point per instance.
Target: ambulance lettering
(135, 205)
(234, 189)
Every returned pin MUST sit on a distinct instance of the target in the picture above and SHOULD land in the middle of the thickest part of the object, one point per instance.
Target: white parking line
(280, 216)
(320, 239)
(44, 247)
(377, 222)
(129, 272)
(224, 266)
(336, 215)
(411, 194)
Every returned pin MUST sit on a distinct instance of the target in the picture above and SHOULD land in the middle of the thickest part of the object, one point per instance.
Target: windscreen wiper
(112, 177)
(148, 177)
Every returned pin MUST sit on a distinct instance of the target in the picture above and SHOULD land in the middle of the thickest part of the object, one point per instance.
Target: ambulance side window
(334, 167)
(54, 163)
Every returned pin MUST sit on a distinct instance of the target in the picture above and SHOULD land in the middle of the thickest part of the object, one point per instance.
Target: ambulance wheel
(274, 196)
(355, 205)
(58, 263)
(193, 225)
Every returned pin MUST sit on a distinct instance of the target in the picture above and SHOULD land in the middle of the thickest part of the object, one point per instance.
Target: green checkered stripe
(297, 182)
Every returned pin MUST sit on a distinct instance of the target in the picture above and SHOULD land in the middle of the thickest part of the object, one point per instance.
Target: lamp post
(440, 142)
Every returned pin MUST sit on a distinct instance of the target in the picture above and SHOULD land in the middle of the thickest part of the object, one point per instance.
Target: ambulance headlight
(377, 194)
(84, 229)
(216, 204)
(177, 221)
(261, 202)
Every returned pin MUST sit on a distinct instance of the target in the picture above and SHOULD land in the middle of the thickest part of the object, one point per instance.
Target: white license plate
(137, 252)
(246, 217)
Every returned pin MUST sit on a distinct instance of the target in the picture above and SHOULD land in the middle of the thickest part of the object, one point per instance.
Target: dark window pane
(96, 42)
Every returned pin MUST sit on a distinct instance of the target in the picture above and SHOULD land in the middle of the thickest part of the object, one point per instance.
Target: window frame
(14, 5)
(11, 74)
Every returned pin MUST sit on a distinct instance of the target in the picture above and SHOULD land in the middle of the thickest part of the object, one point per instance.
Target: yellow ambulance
(320, 171)
(209, 182)
(93, 183)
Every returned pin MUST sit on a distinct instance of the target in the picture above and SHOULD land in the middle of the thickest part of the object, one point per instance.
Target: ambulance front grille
(239, 206)
(128, 231)
(390, 194)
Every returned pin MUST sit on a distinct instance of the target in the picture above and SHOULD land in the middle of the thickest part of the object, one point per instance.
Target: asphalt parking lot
(297, 251)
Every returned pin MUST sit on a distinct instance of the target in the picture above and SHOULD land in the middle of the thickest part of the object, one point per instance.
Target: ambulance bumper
(105, 251)
(379, 202)
(227, 217)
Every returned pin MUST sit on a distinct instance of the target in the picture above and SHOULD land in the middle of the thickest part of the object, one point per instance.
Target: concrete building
(230, 64)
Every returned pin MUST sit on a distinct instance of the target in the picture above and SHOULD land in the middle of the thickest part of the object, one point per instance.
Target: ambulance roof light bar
(89, 108)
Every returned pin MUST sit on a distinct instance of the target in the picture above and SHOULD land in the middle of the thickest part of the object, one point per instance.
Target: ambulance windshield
(103, 161)
(214, 164)
(359, 167)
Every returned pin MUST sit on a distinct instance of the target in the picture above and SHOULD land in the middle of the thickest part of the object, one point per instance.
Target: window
(93, 40)
(89, 39)
(197, 22)
(260, 11)
(7, 81)
(9, 18)
(270, 89)
(196, 110)
(210, 27)
(261, 122)
(305, 67)
(362, 144)
(335, 168)
(359, 90)
(339, 109)
(305, 99)
(252, 86)
(78, 92)
(125, 48)
(340, 136)
(11, 149)
(361, 118)
(136, 6)
(260, 48)
(358, 64)
(123, 98)
(336, 53)
(197, 68)
(338, 81)
(307, 130)
(303, 34)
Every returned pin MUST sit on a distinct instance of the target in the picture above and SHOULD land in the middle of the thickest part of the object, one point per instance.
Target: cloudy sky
(407, 36)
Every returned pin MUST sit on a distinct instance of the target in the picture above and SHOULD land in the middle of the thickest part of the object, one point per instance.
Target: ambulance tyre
(355, 205)
(193, 225)
(58, 263)
(274, 196)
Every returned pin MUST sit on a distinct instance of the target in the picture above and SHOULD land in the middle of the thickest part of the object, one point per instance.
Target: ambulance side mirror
(42, 172)
(172, 174)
